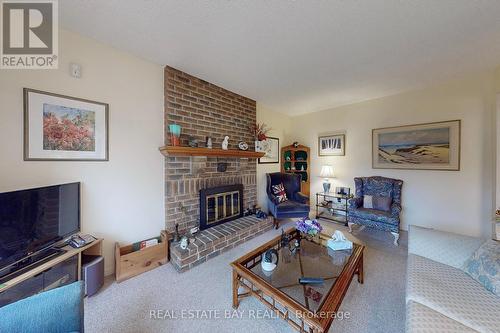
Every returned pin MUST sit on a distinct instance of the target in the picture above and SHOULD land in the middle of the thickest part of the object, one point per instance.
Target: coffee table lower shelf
(297, 315)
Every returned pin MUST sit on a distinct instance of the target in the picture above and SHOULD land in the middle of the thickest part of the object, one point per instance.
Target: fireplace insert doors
(220, 204)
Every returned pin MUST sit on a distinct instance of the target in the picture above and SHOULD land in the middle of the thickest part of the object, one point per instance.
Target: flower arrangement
(309, 227)
(260, 131)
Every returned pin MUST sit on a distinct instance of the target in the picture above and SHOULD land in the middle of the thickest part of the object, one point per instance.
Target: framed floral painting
(64, 128)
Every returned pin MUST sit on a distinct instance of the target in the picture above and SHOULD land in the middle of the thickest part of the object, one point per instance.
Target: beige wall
(456, 201)
(280, 125)
(497, 80)
(122, 200)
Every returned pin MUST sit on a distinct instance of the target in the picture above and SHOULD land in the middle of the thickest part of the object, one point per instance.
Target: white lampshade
(326, 171)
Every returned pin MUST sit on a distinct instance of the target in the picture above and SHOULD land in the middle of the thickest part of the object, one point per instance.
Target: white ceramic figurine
(225, 143)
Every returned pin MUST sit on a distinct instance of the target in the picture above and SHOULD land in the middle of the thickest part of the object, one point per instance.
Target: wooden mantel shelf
(189, 151)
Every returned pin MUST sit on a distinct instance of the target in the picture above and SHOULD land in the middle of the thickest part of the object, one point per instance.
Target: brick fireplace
(220, 204)
(203, 110)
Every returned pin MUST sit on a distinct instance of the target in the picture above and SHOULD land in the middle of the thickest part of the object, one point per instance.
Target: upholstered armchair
(296, 204)
(383, 216)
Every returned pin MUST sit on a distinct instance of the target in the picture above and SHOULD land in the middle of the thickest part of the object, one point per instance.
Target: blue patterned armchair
(377, 187)
(297, 204)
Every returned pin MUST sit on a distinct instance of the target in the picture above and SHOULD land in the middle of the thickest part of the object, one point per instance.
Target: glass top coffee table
(306, 307)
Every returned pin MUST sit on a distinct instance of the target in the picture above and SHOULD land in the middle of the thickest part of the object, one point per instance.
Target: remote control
(310, 280)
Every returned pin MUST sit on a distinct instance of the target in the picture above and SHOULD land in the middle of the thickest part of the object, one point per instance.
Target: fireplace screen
(220, 204)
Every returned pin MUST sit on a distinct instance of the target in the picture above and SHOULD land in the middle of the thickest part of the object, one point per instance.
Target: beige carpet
(376, 306)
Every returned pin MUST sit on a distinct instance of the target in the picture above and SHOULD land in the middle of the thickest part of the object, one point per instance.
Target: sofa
(440, 296)
(297, 205)
(377, 187)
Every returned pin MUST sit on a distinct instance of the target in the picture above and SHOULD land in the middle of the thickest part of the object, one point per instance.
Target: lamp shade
(326, 171)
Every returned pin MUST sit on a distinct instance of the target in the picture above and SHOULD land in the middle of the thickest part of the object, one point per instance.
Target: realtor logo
(29, 32)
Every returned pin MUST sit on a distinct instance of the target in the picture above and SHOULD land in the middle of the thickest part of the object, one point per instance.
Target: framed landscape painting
(331, 145)
(272, 149)
(63, 128)
(432, 146)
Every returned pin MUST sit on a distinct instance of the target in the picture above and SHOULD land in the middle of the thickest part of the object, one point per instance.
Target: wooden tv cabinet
(59, 271)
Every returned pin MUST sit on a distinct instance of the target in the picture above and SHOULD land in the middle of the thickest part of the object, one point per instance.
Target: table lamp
(326, 173)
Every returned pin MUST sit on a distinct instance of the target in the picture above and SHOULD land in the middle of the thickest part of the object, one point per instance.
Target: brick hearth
(216, 240)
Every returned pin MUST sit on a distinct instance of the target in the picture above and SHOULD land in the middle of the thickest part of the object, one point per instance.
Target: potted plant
(260, 133)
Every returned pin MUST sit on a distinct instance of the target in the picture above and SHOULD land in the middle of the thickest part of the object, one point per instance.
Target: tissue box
(339, 245)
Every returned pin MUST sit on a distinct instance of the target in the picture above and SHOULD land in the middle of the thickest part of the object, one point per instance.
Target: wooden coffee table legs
(359, 270)
(236, 284)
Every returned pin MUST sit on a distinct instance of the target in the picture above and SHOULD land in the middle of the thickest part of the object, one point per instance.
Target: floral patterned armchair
(379, 219)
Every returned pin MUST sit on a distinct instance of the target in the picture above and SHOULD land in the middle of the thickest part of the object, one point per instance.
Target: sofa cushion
(56, 310)
(444, 247)
(382, 203)
(368, 201)
(292, 207)
(421, 319)
(452, 293)
(484, 266)
(374, 215)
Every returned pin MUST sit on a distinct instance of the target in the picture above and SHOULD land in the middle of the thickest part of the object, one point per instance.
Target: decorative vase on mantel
(260, 134)
(175, 134)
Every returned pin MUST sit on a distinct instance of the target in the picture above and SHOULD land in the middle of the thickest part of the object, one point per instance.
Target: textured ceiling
(301, 56)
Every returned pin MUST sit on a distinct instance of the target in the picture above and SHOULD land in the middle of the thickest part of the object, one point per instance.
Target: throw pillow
(382, 203)
(368, 201)
(484, 266)
(279, 192)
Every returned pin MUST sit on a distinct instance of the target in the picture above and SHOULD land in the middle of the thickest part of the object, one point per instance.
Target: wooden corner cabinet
(297, 160)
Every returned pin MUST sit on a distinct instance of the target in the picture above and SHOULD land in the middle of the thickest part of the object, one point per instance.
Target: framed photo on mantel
(63, 128)
(431, 146)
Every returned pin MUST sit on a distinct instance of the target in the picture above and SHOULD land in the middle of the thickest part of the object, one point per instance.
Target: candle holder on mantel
(175, 134)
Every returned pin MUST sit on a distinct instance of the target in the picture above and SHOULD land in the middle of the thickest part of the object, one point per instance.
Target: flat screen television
(33, 219)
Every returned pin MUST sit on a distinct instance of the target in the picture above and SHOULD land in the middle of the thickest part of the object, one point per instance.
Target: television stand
(29, 263)
(57, 270)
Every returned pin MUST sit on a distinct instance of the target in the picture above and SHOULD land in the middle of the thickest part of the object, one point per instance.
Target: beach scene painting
(66, 128)
(426, 146)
